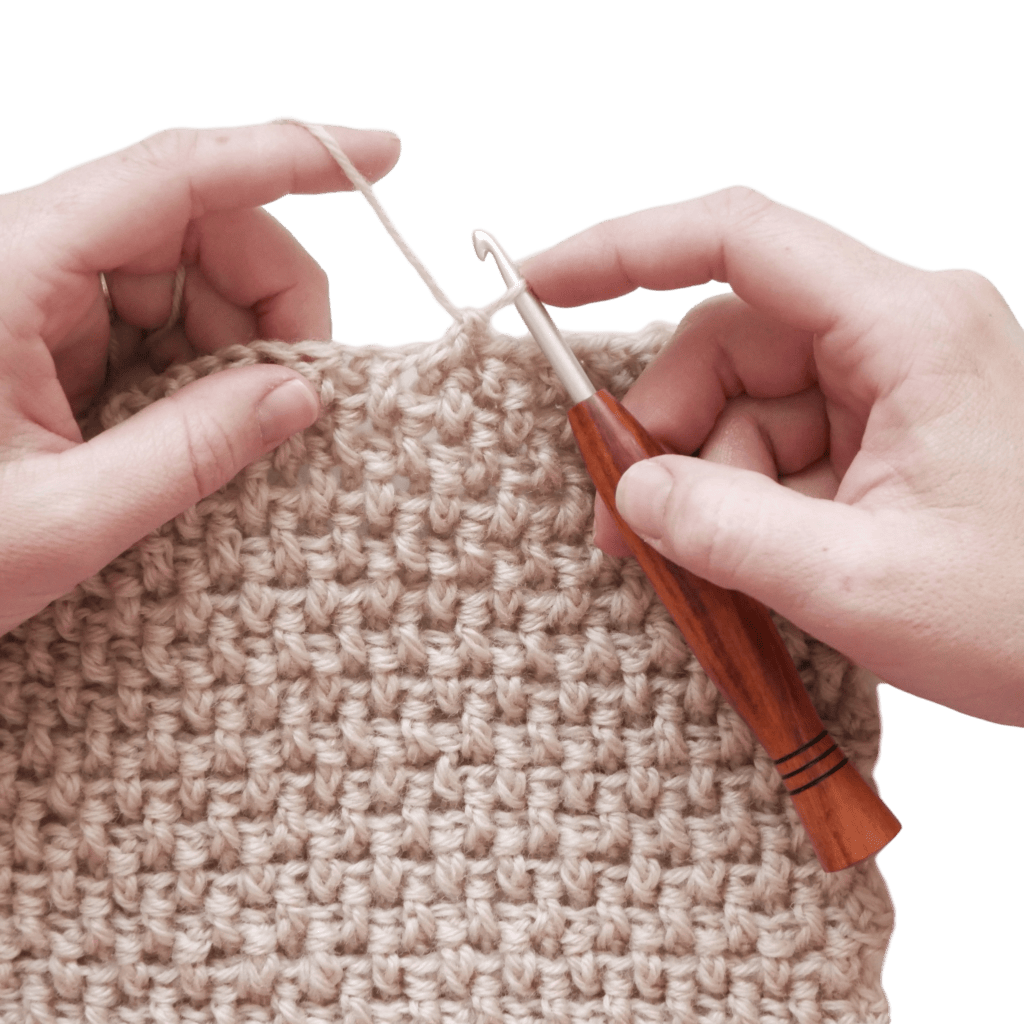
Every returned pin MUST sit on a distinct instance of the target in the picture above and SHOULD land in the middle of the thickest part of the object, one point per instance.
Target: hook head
(539, 324)
(484, 243)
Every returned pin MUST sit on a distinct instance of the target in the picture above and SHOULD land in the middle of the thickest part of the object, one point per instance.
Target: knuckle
(167, 150)
(708, 521)
(736, 538)
(708, 311)
(212, 455)
(738, 213)
(741, 204)
(967, 306)
(967, 286)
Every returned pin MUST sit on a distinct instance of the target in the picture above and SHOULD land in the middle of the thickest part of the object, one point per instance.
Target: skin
(191, 197)
(860, 427)
(859, 421)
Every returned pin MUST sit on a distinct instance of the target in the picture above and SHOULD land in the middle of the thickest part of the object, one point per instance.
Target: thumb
(108, 493)
(743, 531)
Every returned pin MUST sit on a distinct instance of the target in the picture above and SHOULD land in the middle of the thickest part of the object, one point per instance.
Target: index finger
(781, 262)
(130, 210)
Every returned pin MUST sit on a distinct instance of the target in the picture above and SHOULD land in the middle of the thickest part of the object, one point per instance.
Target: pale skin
(860, 423)
(68, 508)
(860, 426)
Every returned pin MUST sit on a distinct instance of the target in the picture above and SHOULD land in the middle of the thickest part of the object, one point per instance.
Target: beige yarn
(374, 734)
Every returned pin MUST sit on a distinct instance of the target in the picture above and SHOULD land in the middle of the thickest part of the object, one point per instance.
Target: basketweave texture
(374, 734)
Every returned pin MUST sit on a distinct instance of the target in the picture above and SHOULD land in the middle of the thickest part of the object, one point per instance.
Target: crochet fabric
(374, 734)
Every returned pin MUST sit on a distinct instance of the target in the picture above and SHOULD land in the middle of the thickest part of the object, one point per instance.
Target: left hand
(181, 197)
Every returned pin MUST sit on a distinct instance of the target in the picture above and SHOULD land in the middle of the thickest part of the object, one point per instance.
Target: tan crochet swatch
(374, 734)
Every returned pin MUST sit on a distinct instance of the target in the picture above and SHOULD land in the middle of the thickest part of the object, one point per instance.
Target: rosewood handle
(736, 642)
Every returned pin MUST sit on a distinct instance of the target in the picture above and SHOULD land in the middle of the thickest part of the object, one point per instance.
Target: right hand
(887, 402)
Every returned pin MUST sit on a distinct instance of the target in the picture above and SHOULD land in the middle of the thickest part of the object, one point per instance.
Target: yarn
(350, 171)
(375, 734)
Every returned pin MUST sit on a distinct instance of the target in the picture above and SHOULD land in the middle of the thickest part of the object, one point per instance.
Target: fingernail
(642, 496)
(291, 406)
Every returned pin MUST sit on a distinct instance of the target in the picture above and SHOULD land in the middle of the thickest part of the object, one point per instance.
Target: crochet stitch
(375, 734)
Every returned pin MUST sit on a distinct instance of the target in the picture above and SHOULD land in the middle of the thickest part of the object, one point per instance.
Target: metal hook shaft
(538, 322)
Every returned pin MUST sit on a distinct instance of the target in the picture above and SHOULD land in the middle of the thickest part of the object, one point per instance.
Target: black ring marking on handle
(820, 757)
(814, 782)
(800, 750)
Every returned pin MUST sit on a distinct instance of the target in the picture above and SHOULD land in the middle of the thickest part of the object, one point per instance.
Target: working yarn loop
(459, 315)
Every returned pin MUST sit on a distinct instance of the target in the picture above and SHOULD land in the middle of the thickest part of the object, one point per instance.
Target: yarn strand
(341, 158)
(458, 315)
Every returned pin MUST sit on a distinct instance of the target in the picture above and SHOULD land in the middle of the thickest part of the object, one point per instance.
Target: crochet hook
(731, 634)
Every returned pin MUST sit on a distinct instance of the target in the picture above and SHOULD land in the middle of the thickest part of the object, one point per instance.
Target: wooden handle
(736, 642)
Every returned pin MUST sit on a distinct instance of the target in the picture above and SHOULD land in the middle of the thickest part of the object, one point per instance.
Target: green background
(900, 122)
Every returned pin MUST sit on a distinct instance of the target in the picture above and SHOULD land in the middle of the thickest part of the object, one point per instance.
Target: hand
(183, 197)
(888, 403)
